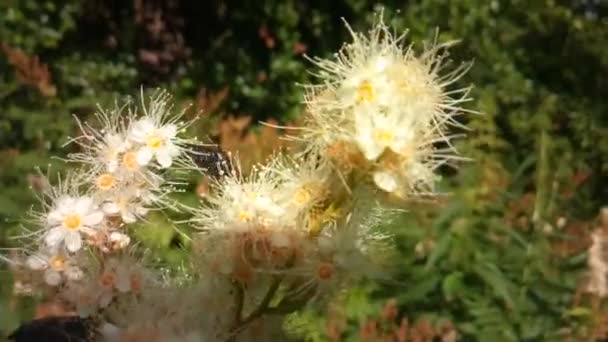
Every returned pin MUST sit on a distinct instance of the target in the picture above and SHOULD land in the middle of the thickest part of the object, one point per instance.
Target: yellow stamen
(105, 181)
(365, 92)
(129, 160)
(57, 263)
(302, 196)
(154, 141)
(244, 216)
(72, 221)
(384, 136)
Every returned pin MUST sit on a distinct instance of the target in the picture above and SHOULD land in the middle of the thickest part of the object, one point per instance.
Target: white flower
(157, 142)
(238, 203)
(375, 131)
(71, 217)
(302, 183)
(113, 146)
(123, 204)
(56, 266)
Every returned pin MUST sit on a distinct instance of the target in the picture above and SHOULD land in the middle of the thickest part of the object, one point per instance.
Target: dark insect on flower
(212, 159)
(53, 329)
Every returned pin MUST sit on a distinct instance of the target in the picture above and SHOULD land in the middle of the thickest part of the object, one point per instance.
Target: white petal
(37, 262)
(141, 211)
(172, 149)
(65, 205)
(55, 236)
(163, 158)
(112, 165)
(371, 150)
(52, 277)
(73, 241)
(54, 218)
(73, 273)
(110, 208)
(83, 205)
(93, 219)
(169, 131)
(144, 155)
(128, 217)
(140, 129)
(120, 239)
(385, 181)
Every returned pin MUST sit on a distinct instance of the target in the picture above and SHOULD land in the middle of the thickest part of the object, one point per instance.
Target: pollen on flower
(154, 140)
(384, 136)
(365, 92)
(105, 182)
(244, 216)
(302, 196)
(57, 263)
(129, 160)
(72, 221)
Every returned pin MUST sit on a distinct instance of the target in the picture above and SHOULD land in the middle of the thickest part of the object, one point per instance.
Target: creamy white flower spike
(69, 218)
(240, 203)
(383, 108)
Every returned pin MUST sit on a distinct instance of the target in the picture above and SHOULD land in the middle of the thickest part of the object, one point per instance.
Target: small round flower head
(129, 203)
(57, 266)
(155, 134)
(381, 107)
(68, 214)
(238, 203)
(303, 182)
(69, 218)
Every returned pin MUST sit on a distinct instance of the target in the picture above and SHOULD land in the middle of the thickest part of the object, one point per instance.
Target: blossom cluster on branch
(266, 243)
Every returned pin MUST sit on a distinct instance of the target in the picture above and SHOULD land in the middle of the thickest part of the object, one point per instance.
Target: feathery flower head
(156, 134)
(238, 203)
(382, 108)
(68, 214)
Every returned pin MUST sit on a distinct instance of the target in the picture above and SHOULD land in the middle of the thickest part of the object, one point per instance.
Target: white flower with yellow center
(376, 131)
(368, 84)
(70, 217)
(56, 267)
(157, 141)
(302, 183)
(237, 203)
(125, 203)
(250, 205)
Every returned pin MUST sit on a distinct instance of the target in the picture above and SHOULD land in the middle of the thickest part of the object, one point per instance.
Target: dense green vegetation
(503, 258)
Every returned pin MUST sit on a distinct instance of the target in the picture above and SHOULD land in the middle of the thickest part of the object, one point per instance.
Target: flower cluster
(85, 216)
(384, 110)
(268, 242)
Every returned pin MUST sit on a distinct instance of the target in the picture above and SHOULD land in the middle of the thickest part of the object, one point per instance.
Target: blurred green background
(502, 259)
